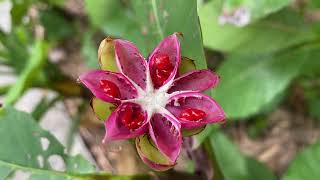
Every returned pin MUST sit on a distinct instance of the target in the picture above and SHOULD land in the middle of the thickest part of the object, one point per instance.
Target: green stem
(43, 107)
(217, 173)
(36, 61)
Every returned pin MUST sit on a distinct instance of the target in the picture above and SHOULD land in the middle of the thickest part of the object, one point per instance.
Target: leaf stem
(216, 168)
(155, 12)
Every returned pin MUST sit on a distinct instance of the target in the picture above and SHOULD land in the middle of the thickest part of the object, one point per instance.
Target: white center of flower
(152, 100)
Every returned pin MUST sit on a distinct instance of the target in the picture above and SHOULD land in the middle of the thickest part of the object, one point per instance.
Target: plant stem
(216, 168)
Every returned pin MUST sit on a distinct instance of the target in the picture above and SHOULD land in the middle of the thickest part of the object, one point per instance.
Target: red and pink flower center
(192, 114)
(110, 88)
(161, 70)
(132, 117)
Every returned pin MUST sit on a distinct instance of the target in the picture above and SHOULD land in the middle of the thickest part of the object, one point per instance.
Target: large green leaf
(251, 9)
(160, 18)
(306, 165)
(279, 31)
(118, 20)
(27, 147)
(146, 23)
(233, 164)
(249, 83)
(24, 145)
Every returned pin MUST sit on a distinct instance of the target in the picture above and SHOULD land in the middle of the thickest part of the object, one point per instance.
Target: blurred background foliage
(267, 53)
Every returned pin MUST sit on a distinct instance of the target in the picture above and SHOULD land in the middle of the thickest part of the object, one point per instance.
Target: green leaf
(233, 164)
(251, 8)
(249, 83)
(89, 51)
(146, 23)
(160, 18)
(27, 147)
(116, 21)
(51, 19)
(305, 165)
(15, 43)
(19, 10)
(58, 3)
(278, 31)
(34, 64)
(24, 144)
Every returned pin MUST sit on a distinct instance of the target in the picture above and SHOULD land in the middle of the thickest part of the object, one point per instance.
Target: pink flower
(154, 103)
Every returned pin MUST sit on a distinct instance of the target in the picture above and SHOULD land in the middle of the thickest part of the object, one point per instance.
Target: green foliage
(256, 9)
(15, 42)
(305, 165)
(27, 147)
(257, 126)
(252, 76)
(33, 66)
(56, 26)
(146, 23)
(233, 164)
(261, 58)
(258, 80)
(89, 51)
(19, 9)
(274, 33)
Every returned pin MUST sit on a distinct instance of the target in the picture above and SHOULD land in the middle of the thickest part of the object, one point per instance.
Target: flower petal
(165, 132)
(198, 80)
(116, 129)
(170, 47)
(178, 103)
(131, 62)
(151, 156)
(93, 79)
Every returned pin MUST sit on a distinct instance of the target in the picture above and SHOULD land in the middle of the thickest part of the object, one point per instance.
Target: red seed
(192, 114)
(133, 117)
(162, 68)
(110, 88)
(162, 62)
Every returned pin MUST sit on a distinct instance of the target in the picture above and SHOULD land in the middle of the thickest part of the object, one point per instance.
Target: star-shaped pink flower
(153, 99)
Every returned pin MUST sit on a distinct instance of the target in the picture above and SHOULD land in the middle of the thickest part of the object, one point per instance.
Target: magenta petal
(131, 62)
(199, 80)
(169, 46)
(166, 134)
(214, 113)
(116, 130)
(92, 81)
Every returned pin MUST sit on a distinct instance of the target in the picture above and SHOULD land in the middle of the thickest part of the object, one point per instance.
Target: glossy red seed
(110, 88)
(162, 62)
(161, 69)
(192, 114)
(133, 117)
